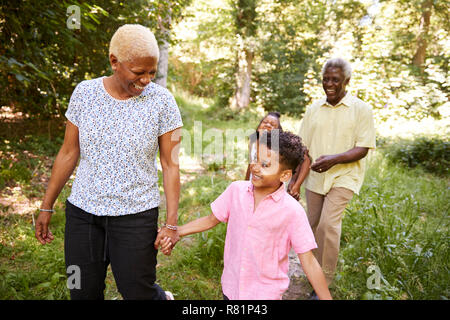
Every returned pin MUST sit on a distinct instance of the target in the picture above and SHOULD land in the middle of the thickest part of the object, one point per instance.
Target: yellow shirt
(327, 130)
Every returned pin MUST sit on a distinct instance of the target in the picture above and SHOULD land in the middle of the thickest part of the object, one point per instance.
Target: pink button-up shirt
(258, 241)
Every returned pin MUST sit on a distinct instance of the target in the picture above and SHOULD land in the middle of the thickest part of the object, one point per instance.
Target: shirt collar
(344, 101)
(276, 195)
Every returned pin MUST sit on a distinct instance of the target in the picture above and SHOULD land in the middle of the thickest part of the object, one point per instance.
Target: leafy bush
(41, 59)
(212, 79)
(398, 223)
(30, 270)
(13, 171)
(431, 153)
(21, 157)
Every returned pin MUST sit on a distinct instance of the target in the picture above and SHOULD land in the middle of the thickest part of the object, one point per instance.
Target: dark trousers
(93, 242)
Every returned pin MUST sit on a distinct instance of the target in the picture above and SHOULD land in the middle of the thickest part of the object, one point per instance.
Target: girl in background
(268, 123)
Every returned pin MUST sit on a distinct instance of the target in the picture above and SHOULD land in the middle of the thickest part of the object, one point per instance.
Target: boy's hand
(171, 235)
(293, 191)
(166, 246)
(315, 275)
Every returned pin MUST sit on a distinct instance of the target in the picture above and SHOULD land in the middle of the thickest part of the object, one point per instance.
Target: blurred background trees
(242, 53)
(399, 51)
(42, 59)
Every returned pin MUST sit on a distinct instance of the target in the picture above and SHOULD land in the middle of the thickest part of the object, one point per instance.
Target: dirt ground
(299, 287)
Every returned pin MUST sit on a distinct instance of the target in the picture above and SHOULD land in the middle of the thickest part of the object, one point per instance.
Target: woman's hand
(42, 232)
(164, 237)
(166, 246)
(169, 144)
(64, 164)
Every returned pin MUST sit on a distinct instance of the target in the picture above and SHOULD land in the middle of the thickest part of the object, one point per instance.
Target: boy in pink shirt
(264, 222)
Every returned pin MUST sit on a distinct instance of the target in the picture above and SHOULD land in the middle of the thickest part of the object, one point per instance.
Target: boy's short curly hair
(290, 147)
(133, 41)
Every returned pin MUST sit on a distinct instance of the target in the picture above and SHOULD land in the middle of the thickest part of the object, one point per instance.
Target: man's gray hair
(343, 64)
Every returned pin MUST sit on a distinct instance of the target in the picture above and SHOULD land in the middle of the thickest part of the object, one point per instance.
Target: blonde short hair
(133, 41)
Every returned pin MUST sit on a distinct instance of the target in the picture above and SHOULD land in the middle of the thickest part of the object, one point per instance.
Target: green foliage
(203, 190)
(13, 171)
(206, 256)
(399, 223)
(210, 248)
(293, 39)
(205, 79)
(202, 61)
(431, 153)
(278, 88)
(244, 13)
(28, 269)
(39, 62)
(18, 156)
(41, 59)
(287, 50)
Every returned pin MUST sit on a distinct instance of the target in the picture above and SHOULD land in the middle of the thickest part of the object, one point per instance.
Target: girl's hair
(275, 114)
(255, 136)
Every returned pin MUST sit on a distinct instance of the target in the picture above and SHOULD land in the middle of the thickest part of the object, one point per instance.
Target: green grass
(399, 223)
(27, 269)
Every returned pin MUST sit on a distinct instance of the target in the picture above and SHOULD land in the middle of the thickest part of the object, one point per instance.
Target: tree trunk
(246, 26)
(243, 78)
(422, 43)
(163, 62)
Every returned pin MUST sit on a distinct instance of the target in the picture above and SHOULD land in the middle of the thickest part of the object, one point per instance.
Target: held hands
(166, 246)
(166, 240)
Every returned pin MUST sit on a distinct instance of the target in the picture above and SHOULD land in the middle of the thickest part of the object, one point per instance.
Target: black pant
(93, 242)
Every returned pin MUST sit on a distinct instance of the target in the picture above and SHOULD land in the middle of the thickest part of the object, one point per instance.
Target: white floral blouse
(117, 173)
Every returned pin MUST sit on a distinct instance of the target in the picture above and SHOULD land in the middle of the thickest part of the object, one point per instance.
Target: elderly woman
(115, 126)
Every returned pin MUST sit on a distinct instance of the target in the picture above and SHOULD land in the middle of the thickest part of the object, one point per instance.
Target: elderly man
(338, 131)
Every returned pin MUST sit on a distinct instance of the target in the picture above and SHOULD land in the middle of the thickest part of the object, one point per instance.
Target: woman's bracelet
(47, 210)
(170, 227)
